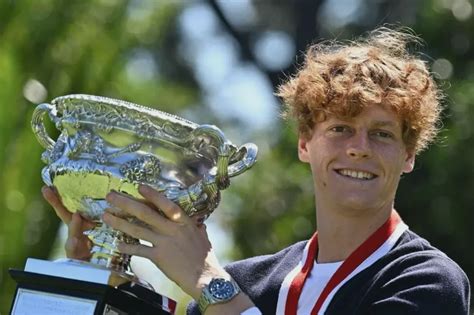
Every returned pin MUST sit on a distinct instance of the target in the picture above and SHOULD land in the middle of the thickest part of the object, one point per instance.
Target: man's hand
(180, 247)
(77, 246)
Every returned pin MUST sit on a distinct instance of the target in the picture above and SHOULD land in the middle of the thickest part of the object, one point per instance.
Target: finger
(86, 224)
(83, 224)
(131, 229)
(53, 199)
(135, 249)
(76, 249)
(171, 210)
(71, 247)
(137, 209)
(76, 226)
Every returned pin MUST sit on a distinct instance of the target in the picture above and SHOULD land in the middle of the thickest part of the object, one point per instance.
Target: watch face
(221, 289)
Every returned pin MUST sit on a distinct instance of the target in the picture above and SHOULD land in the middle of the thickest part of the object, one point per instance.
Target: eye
(383, 134)
(339, 129)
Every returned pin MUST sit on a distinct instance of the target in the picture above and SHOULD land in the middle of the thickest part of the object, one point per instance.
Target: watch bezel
(212, 292)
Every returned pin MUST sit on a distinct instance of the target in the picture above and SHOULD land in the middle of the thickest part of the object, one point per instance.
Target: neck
(340, 234)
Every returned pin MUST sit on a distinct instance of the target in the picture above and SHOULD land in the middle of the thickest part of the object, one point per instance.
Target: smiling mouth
(356, 174)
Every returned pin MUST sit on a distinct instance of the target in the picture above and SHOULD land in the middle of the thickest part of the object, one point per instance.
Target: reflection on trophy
(106, 144)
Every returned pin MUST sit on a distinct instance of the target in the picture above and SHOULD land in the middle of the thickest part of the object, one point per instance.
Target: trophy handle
(38, 126)
(230, 162)
(224, 153)
(249, 151)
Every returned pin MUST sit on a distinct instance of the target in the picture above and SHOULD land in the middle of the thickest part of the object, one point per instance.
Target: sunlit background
(219, 62)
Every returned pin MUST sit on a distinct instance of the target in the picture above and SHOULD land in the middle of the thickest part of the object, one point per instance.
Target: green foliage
(69, 47)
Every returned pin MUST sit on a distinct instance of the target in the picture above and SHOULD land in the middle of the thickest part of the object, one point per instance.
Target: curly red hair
(344, 78)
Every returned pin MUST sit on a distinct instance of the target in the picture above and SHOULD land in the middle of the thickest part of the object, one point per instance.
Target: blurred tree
(49, 48)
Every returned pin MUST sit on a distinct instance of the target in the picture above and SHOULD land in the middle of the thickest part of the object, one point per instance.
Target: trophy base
(46, 294)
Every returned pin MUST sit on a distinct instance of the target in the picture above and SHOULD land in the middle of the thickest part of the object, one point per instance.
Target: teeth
(356, 174)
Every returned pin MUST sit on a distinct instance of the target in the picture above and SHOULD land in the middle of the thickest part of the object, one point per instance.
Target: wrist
(217, 291)
(205, 279)
(237, 305)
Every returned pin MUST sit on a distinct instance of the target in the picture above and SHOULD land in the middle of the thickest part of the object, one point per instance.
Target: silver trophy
(107, 144)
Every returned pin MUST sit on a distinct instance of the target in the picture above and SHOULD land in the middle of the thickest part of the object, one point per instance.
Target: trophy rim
(147, 110)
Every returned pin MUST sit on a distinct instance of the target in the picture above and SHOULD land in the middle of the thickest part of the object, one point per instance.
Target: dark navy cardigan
(412, 278)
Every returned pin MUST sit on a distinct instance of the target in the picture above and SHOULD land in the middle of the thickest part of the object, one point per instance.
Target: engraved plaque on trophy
(106, 144)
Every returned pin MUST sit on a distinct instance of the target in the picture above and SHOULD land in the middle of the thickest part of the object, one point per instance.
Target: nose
(358, 146)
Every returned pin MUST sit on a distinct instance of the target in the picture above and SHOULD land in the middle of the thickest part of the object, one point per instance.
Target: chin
(356, 204)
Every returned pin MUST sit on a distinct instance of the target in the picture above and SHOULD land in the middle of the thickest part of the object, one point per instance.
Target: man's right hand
(77, 246)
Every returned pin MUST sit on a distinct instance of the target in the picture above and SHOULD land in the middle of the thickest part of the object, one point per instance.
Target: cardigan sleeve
(423, 284)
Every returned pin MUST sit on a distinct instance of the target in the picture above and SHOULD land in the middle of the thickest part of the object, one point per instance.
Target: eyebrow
(377, 123)
(385, 123)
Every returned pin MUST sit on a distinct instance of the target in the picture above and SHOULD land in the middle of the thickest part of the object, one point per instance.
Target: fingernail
(110, 196)
(44, 189)
(144, 188)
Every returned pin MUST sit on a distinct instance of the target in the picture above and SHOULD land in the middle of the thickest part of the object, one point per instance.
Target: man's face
(357, 163)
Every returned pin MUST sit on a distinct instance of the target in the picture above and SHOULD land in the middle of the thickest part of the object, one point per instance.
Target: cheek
(395, 165)
(320, 168)
(321, 155)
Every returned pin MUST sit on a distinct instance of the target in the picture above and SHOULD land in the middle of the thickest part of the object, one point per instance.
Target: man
(364, 110)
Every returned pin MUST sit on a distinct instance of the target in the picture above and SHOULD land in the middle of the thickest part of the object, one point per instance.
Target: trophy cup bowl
(106, 144)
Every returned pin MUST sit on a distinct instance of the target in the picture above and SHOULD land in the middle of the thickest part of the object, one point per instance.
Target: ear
(409, 162)
(303, 153)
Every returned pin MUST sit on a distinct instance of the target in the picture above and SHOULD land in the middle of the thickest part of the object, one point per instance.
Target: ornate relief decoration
(145, 169)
